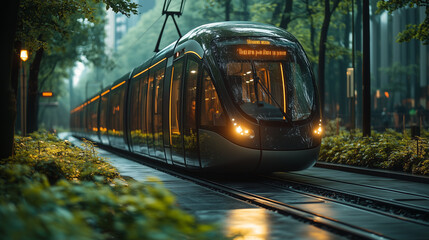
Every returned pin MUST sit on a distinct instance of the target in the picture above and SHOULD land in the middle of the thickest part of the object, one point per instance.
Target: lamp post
(24, 57)
(351, 95)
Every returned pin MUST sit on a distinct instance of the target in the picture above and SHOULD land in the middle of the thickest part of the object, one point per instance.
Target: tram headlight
(318, 131)
(243, 131)
(239, 129)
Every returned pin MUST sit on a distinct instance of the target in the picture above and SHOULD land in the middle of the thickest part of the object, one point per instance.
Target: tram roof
(206, 33)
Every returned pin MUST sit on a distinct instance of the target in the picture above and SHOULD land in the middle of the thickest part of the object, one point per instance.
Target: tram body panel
(231, 96)
(220, 154)
(291, 160)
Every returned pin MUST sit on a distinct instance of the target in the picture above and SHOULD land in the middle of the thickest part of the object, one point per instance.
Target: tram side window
(116, 111)
(175, 98)
(135, 123)
(92, 126)
(157, 111)
(190, 96)
(211, 109)
(103, 112)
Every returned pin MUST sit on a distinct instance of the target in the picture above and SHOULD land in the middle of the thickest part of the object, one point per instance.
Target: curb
(374, 172)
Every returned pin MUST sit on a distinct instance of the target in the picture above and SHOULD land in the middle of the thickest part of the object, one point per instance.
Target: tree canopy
(41, 21)
(412, 31)
(59, 33)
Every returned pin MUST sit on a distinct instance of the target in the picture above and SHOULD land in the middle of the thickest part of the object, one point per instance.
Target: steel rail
(426, 197)
(421, 212)
(355, 205)
(318, 220)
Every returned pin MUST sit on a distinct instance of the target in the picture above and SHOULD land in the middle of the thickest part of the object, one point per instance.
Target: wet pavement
(412, 193)
(234, 216)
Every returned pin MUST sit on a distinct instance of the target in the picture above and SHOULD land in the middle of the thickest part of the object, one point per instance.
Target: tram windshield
(269, 79)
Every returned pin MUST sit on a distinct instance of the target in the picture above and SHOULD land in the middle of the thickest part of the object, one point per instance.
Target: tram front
(275, 100)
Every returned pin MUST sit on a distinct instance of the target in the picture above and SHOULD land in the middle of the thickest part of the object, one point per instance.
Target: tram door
(190, 131)
(176, 138)
(154, 110)
(183, 121)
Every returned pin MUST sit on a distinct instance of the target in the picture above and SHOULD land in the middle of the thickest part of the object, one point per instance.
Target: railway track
(366, 222)
(397, 203)
(344, 218)
(308, 200)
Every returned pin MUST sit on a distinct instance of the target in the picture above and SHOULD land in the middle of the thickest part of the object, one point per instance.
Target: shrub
(52, 190)
(389, 150)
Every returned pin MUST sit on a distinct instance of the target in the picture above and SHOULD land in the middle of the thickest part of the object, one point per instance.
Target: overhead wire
(149, 28)
(174, 6)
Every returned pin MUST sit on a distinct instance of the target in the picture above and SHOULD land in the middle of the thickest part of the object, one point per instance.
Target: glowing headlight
(239, 129)
(319, 130)
(243, 131)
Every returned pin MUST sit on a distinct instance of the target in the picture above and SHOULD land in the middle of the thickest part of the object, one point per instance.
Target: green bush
(52, 190)
(46, 154)
(389, 150)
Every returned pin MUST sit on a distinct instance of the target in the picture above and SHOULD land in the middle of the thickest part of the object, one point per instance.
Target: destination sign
(258, 42)
(261, 53)
(253, 50)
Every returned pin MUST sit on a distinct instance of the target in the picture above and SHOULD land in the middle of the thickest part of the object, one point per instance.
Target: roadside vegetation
(389, 150)
(52, 190)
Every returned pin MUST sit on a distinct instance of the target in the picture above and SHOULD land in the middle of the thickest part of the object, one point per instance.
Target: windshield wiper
(272, 98)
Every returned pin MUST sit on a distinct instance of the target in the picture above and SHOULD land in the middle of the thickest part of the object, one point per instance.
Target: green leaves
(413, 31)
(389, 150)
(56, 191)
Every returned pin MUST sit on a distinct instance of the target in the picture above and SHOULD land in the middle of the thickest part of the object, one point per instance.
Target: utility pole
(366, 74)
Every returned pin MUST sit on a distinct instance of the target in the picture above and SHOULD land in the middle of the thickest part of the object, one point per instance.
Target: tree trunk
(33, 92)
(343, 66)
(286, 17)
(322, 49)
(276, 13)
(245, 10)
(358, 64)
(227, 10)
(7, 93)
(312, 29)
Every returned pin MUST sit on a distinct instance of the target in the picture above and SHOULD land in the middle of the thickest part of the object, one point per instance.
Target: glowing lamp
(239, 129)
(242, 130)
(318, 131)
(24, 55)
(47, 94)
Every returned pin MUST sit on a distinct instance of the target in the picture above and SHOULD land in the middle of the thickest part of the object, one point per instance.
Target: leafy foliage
(44, 190)
(43, 153)
(413, 31)
(390, 150)
(40, 21)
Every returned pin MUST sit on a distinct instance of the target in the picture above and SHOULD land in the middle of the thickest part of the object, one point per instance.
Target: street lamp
(24, 57)
(351, 95)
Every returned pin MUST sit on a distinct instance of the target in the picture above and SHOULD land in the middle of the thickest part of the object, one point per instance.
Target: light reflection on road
(248, 224)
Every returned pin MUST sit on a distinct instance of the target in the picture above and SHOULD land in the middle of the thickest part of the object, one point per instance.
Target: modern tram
(225, 97)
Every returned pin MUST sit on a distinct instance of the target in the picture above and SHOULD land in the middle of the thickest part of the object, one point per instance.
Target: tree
(413, 31)
(33, 24)
(46, 26)
(9, 88)
(322, 47)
